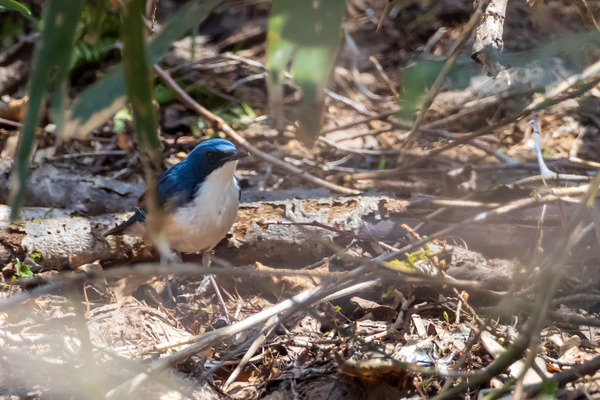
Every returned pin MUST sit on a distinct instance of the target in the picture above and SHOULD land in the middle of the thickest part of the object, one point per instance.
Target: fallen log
(52, 239)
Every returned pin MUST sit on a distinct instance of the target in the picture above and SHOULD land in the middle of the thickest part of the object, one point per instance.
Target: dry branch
(240, 141)
(439, 80)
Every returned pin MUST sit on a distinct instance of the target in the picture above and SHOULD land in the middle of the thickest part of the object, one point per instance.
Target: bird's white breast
(202, 224)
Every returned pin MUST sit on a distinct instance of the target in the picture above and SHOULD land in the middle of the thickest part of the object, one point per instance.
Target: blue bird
(200, 197)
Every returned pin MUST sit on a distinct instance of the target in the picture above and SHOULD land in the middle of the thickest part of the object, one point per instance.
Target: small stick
(553, 195)
(358, 107)
(264, 333)
(202, 341)
(381, 116)
(383, 152)
(89, 154)
(355, 53)
(437, 84)
(385, 77)
(240, 141)
(545, 172)
(569, 375)
(573, 86)
(11, 123)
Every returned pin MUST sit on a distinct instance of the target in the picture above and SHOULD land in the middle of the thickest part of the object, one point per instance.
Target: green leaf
(549, 388)
(36, 256)
(107, 95)
(418, 78)
(249, 110)
(120, 118)
(382, 161)
(22, 269)
(309, 32)
(164, 94)
(51, 63)
(15, 6)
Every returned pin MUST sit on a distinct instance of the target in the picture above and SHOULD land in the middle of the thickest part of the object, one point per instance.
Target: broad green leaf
(22, 269)
(15, 6)
(308, 33)
(107, 96)
(51, 63)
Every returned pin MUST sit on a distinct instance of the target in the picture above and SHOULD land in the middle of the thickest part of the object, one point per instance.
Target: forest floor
(95, 319)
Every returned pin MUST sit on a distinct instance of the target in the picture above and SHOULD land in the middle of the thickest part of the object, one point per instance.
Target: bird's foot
(206, 264)
(173, 258)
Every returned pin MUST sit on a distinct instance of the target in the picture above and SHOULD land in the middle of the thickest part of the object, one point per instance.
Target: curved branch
(239, 140)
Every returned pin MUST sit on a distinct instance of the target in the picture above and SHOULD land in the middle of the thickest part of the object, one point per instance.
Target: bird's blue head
(183, 180)
(214, 153)
(211, 155)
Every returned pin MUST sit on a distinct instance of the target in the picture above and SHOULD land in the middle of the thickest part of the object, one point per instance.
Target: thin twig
(262, 335)
(579, 83)
(202, 341)
(355, 53)
(382, 152)
(11, 123)
(381, 116)
(385, 77)
(508, 357)
(359, 108)
(437, 84)
(572, 374)
(89, 154)
(240, 141)
(359, 135)
(553, 195)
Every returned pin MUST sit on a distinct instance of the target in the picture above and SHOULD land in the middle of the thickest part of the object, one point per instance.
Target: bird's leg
(175, 257)
(206, 264)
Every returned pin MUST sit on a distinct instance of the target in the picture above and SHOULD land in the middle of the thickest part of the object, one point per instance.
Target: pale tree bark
(488, 37)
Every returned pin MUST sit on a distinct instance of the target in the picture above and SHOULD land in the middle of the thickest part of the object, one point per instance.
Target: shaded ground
(440, 311)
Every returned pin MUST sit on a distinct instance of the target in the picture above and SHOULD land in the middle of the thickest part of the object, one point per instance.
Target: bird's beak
(236, 155)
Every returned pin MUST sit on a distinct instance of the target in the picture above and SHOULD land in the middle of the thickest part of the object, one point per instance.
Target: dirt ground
(425, 282)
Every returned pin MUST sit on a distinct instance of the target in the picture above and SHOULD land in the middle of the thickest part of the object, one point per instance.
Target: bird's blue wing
(175, 188)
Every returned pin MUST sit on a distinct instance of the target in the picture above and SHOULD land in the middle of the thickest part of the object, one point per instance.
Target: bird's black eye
(211, 156)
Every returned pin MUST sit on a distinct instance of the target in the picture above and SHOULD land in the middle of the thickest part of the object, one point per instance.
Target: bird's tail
(137, 217)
